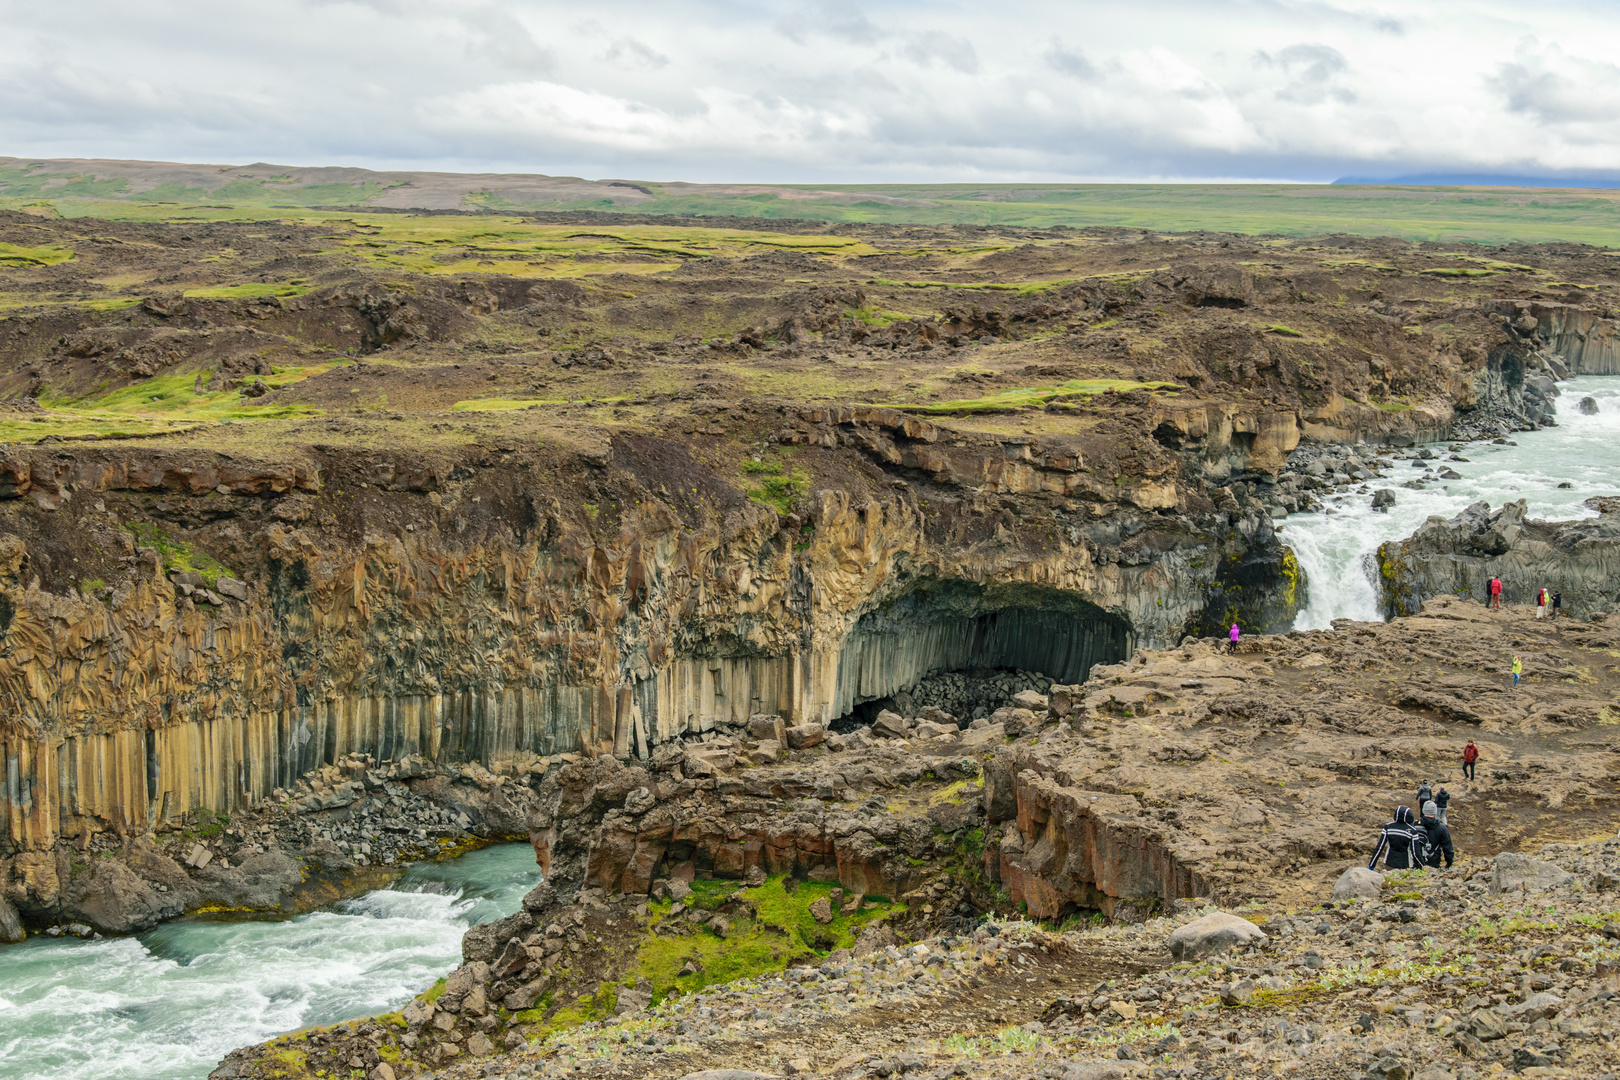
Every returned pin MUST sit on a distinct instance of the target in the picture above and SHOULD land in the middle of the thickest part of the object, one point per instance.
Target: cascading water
(1338, 550)
(169, 1004)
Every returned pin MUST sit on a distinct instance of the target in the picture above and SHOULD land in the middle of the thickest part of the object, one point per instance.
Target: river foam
(169, 1004)
(1338, 550)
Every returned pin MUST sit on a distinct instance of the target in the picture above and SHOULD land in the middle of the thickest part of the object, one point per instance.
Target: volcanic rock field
(839, 611)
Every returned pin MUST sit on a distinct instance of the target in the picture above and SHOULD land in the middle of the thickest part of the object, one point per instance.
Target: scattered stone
(821, 909)
(1520, 873)
(1358, 883)
(805, 735)
(1215, 933)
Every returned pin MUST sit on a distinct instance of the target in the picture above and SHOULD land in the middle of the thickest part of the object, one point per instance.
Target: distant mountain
(1487, 180)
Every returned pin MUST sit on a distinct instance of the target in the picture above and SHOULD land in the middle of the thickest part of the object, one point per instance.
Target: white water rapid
(1337, 550)
(169, 1004)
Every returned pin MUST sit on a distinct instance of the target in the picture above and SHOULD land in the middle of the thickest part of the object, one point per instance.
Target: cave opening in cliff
(966, 648)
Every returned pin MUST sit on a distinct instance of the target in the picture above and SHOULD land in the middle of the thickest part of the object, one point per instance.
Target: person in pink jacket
(1233, 638)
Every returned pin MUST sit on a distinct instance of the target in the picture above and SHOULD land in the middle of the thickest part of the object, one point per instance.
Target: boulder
(889, 725)
(767, 752)
(1215, 933)
(1016, 721)
(1029, 699)
(11, 928)
(1383, 499)
(487, 941)
(639, 801)
(1588, 406)
(1359, 883)
(764, 726)
(821, 910)
(1520, 873)
(931, 715)
(1542, 1006)
(805, 735)
(929, 730)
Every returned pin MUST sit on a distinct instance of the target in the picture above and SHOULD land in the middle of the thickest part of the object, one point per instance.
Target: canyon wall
(501, 618)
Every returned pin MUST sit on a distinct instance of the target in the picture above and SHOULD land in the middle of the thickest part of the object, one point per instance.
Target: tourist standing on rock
(1232, 639)
(1518, 664)
(1557, 602)
(1471, 752)
(1541, 602)
(1441, 799)
(1437, 838)
(1425, 793)
(1400, 843)
(1496, 592)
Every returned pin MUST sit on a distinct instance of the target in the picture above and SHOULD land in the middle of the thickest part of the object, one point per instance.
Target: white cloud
(839, 90)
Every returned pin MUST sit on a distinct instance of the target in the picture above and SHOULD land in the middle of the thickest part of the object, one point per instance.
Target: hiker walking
(1541, 602)
(1557, 602)
(1518, 667)
(1441, 799)
(1496, 592)
(1437, 837)
(1425, 793)
(1400, 843)
(1471, 755)
(1232, 639)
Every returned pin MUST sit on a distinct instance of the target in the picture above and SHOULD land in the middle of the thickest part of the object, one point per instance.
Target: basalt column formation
(488, 618)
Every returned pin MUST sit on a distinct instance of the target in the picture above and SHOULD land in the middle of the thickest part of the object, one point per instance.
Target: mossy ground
(178, 555)
(771, 929)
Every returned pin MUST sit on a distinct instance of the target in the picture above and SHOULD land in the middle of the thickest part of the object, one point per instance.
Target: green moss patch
(771, 929)
(178, 556)
(13, 255)
(1036, 396)
(775, 483)
(249, 290)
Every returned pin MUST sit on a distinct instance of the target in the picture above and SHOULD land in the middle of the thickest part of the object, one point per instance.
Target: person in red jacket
(1470, 755)
(1496, 592)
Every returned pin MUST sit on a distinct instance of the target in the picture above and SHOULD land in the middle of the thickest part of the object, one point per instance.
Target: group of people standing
(1423, 840)
(1546, 599)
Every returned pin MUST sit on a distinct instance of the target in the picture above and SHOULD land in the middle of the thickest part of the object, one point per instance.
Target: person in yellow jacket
(1518, 669)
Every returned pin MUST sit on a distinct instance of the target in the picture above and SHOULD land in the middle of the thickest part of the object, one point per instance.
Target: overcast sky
(712, 90)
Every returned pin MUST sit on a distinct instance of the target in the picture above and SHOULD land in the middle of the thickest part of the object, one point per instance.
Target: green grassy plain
(1448, 214)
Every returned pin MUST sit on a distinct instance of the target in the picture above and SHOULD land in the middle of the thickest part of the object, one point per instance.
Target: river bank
(340, 831)
(167, 1005)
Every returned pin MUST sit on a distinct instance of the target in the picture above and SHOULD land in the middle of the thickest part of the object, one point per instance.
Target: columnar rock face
(1460, 555)
(469, 614)
(1585, 341)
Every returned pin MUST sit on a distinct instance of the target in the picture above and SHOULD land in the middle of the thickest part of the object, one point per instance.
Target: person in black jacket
(1401, 843)
(1442, 798)
(1437, 836)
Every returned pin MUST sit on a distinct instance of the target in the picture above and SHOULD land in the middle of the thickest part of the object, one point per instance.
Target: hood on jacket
(1403, 815)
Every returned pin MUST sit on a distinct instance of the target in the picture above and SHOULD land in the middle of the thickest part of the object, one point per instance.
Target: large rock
(1213, 934)
(487, 941)
(805, 735)
(1359, 883)
(11, 928)
(889, 725)
(1542, 1006)
(1520, 873)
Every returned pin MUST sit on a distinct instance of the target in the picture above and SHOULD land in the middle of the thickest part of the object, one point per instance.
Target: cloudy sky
(722, 90)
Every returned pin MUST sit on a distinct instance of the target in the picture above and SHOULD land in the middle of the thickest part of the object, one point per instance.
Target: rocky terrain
(1504, 965)
(857, 579)
(1460, 556)
(1177, 780)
